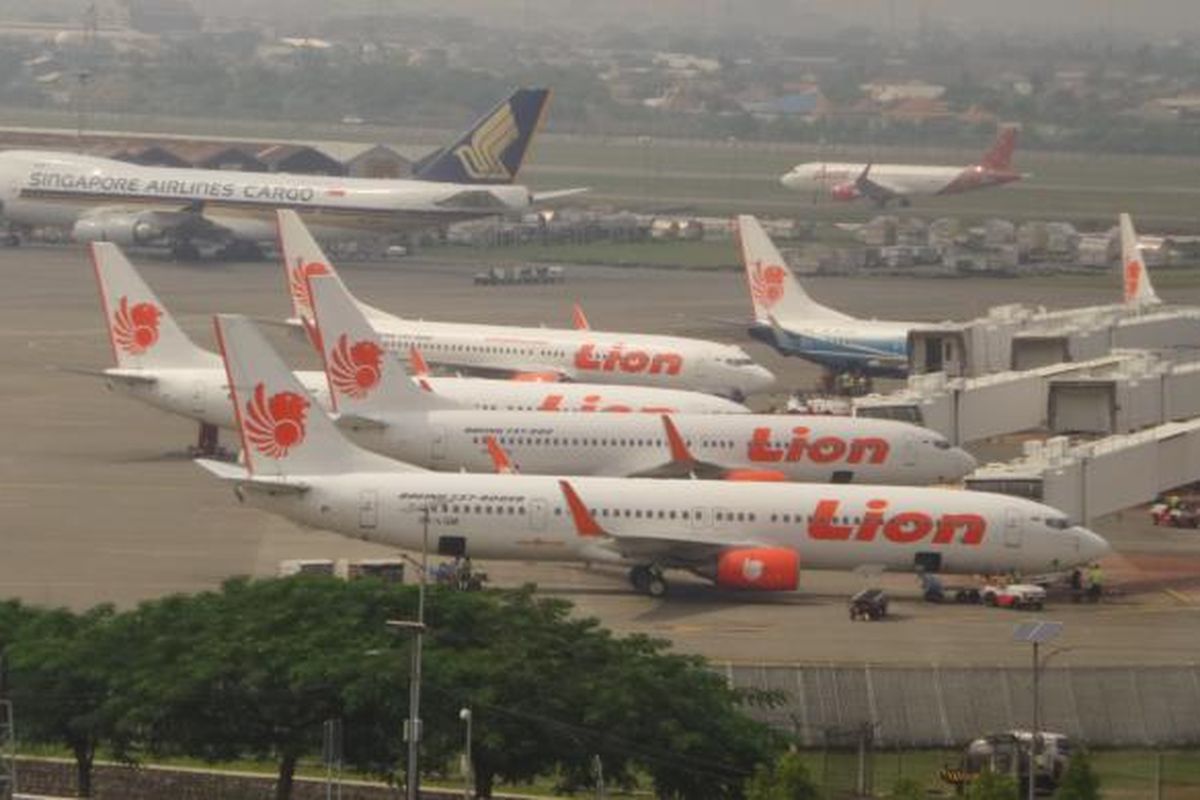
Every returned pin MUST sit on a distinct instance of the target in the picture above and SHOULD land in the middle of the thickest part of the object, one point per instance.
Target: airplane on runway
(1137, 289)
(157, 363)
(101, 199)
(548, 354)
(882, 183)
(751, 536)
(790, 321)
(386, 412)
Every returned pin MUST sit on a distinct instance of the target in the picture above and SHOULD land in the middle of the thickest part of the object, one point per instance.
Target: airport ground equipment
(869, 604)
(1122, 392)
(1008, 754)
(1017, 337)
(1090, 480)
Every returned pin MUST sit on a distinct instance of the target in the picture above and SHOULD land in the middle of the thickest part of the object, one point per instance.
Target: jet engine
(763, 569)
(845, 192)
(119, 228)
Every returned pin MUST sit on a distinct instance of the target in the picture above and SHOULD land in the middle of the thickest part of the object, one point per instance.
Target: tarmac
(99, 501)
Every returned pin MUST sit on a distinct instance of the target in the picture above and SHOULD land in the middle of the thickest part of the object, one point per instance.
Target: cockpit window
(1058, 523)
(739, 362)
(940, 444)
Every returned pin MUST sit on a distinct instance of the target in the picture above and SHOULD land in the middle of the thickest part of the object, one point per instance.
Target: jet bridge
(1117, 393)
(1016, 337)
(1090, 480)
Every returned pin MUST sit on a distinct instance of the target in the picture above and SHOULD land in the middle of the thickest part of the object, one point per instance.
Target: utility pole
(412, 725)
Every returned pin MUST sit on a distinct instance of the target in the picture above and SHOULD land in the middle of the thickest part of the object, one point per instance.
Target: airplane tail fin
(774, 290)
(284, 432)
(999, 157)
(302, 257)
(364, 379)
(1138, 291)
(141, 330)
(493, 149)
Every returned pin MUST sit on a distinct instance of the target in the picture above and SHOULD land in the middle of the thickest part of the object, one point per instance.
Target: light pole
(412, 726)
(468, 766)
(1036, 633)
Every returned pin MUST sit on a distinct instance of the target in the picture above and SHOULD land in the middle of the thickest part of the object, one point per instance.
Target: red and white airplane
(387, 413)
(550, 354)
(1137, 290)
(882, 183)
(157, 363)
(739, 535)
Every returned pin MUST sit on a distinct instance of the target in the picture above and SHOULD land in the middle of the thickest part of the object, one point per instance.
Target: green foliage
(1080, 781)
(787, 779)
(907, 789)
(991, 786)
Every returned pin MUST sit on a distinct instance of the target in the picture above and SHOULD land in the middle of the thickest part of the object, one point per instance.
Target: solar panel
(1037, 631)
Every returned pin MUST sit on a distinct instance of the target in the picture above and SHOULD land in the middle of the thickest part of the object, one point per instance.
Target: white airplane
(388, 414)
(105, 200)
(579, 355)
(790, 321)
(157, 363)
(738, 535)
(1137, 290)
(882, 183)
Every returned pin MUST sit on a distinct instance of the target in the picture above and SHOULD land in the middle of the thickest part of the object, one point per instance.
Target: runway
(100, 503)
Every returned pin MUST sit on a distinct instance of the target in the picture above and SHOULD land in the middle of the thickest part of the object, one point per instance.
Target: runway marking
(1178, 596)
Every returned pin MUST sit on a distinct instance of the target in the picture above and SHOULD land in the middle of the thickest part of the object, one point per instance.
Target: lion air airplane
(548, 354)
(752, 536)
(157, 363)
(1136, 287)
(389, 414)
(882, 183)
(105, 200)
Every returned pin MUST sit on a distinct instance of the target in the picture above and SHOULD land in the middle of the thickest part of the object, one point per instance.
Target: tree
(787, 779)
(64, 672)
(1079, 782)
(907, 789)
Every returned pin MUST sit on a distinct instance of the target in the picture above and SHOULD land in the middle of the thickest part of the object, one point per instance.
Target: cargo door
(198, 398)
(368, 509)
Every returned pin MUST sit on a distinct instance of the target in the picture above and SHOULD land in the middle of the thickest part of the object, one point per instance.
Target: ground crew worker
(1095, 582)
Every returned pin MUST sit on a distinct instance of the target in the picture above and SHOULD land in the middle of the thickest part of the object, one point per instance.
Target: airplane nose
(1092, 546)
(789, 179)
(761, 379)
(964, 461)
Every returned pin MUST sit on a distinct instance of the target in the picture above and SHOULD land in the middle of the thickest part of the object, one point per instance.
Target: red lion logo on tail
(298, 277)
(135, 328)
(354, 370)
(274, 426)
(766, 283)
(1133, 278)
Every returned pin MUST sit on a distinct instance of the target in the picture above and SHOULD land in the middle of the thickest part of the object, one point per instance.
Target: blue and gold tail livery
(493, 149)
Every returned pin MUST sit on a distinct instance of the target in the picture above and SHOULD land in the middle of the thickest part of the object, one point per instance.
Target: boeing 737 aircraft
(790, 321)
(105, 200)
(157, 363)
(549, 354)
(391, 415)
(752, 536)
(882, 183)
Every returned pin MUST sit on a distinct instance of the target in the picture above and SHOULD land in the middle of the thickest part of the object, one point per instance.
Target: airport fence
(946, 707)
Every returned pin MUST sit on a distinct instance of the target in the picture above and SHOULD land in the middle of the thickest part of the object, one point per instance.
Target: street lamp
(412, 726)
(468, 766)
(1036, 633)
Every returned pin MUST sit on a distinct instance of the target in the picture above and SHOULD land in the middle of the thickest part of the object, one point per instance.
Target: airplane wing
(185, 221)
(557, 194)
(879, 191)
(130, 377)
(667, 548)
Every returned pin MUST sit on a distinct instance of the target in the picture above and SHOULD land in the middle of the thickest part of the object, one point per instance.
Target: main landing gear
(648, 579)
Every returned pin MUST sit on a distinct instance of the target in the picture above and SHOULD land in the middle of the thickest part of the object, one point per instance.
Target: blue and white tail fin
(774, 290)
(141, 330)
(302, 257)
(1138, 292)
(284, 432)
(494, 148)
(364, 379)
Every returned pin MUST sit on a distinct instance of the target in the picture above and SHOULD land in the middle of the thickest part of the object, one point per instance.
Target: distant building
(368, 160)
(300, 160)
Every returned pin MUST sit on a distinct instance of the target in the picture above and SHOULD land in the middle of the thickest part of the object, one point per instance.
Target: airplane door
(701, 518)
(437, 444)
(908, 453)
(198, 398)
(537, 515)
(1012, 528)
(368, 509)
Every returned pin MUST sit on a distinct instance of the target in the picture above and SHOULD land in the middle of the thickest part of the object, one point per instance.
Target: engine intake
(124, 229)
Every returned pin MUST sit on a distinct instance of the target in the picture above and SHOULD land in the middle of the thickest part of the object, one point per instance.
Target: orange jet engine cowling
(763, 569)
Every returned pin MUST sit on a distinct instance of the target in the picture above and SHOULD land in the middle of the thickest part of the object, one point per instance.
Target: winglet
(585, 523)
(679, 449)
(580, 319)
(500, 459)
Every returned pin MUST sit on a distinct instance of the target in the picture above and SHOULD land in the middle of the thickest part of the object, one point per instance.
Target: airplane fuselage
(835, 528)
(869, 347)
(904, 180)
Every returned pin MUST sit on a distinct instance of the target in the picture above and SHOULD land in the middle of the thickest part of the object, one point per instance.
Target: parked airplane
(157, 363)
(390, 415)
(583, 356)
(882, 183)
(1137, 289)
(106, 200)
(787, 319)
(738, 535)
